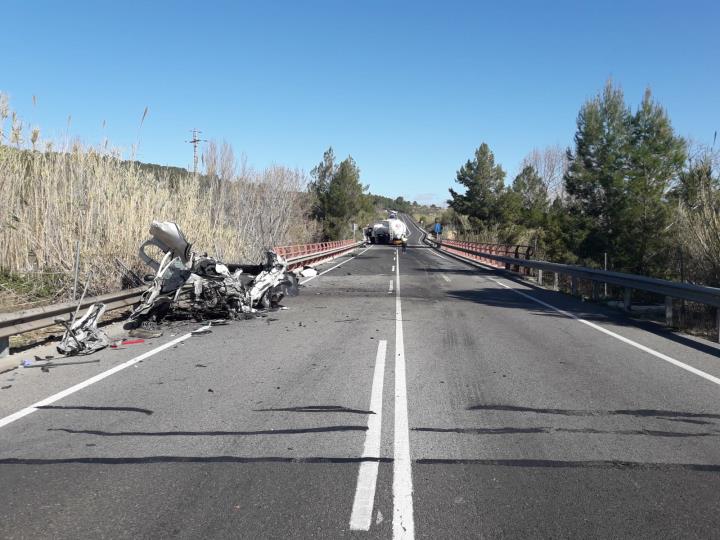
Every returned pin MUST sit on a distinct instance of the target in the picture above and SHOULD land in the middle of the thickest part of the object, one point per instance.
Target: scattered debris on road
(82, 336)
(202, 331)
(132, 341)
(52, 364)
(144, 333)
(308, 271)
(185, 286)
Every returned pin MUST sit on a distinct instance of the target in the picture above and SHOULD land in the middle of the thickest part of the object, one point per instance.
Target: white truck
(388, 231)
(398, 230)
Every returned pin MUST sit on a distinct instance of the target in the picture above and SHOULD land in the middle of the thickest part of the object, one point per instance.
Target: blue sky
(409, 89)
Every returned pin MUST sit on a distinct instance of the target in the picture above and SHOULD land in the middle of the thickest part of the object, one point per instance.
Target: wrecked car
(203, 287)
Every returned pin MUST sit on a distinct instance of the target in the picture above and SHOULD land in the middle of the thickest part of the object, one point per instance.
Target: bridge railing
(477, 251)
(302, 254)
(628, 282)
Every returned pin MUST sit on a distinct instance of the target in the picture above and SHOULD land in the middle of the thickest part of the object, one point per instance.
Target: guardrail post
(627, 299)
(573, 285)
(669, 311)
(556, 281)
(539, 277)
(4, 346)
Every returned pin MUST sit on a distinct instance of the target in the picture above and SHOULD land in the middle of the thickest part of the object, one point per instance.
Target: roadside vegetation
(629, 189)
(60, 195)
(339, 199)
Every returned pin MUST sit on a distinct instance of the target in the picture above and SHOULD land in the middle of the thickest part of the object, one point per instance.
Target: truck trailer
(388, 231)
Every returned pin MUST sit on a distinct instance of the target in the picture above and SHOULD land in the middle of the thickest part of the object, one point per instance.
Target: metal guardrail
(629, 282)
(513, 251)
(302, 254)
(20, 322)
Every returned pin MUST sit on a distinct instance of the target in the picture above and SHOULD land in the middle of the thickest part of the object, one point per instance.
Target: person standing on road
(438, 230)
(404, 240)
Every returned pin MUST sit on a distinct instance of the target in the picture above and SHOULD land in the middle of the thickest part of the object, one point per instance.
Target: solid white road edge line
(362, 510)
(599, 328)
(334, 267)
(92, 380)
(403, 521)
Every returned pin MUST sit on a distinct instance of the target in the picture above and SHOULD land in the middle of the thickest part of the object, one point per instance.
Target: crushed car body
(204, 287)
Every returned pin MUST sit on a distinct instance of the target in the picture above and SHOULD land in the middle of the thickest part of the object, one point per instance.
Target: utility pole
(195, 141)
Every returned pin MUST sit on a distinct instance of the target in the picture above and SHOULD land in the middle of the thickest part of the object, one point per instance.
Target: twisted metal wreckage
(187, 284)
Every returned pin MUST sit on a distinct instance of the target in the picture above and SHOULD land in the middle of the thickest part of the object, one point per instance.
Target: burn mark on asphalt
(678, 416)
(543, 429)
(189, 459)
(485, 431)
(558, 464)
(523, 463)
(316, 409)
(89, 408)
(292, 431)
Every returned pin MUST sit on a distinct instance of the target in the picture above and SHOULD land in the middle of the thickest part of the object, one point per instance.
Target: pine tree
(532, 197)
(322, 174)
(656, 159)
(596, 176)
(619, 174)
(340, 197)
(698, 176)
(484, 183)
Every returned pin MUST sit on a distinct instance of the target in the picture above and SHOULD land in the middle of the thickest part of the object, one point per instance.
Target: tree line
(630, 188)
(339, 198)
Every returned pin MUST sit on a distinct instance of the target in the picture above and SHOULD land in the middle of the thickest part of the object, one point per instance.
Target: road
(401, 395)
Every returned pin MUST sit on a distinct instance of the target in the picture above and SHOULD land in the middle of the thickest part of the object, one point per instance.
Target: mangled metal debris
(308, 271)
(202, 287)
(82, 336)
(202, 330)
(185, 284)
(45, 368)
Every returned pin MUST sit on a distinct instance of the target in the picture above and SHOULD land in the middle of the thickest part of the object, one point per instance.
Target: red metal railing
(516, 251)
(321, 249)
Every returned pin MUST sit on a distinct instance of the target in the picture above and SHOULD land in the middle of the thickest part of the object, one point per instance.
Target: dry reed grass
(53, 199)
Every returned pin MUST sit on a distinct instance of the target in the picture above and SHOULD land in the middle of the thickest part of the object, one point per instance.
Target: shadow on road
(506, 298)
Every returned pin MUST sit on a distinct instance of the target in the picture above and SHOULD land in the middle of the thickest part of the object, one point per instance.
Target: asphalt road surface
(401, 395)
